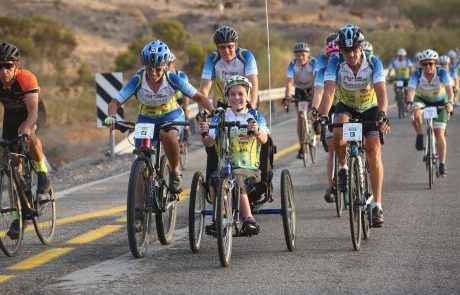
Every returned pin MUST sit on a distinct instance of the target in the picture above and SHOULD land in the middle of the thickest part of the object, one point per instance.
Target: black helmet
(8, 52)
(225, 35)
(332, 36)
(349, 37)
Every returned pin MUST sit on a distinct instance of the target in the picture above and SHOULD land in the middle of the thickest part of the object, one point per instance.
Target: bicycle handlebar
(124, 126)
(368, 123)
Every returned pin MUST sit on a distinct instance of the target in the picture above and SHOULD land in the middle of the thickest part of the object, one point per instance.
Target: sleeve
(319, 79)
(378, 75)
(331, 70)
(184, 76)
(212, 131)
(320, 63)
(453, 73)
(27, 81)
(262, 123)
(129, 89)
(250, 68)
(410, 63)
(290, 71)
(180, 84)
(209, 72)
(444, 77)
(413, 80)
(391, 65)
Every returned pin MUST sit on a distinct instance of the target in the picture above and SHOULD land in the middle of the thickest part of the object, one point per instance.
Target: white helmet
(444, 60)
(452, 54)
(429, 54)
(417, 55)
(401, 51)
(367, 46)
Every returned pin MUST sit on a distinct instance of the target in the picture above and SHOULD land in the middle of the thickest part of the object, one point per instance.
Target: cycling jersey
(179, 95)
(321, 62)
(402, 68)
(218, 70)
(158, 104)
(433, 91)
(245, 149)
(319, 81)
(356, 91)
(453, 72)
(12, 97)
(303, 75)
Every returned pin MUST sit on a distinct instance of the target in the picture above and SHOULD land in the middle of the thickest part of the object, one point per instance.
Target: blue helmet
(349, 37)
(155, 54)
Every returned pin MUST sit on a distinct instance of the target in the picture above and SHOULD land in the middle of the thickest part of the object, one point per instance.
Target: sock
(343, 167)
(40, 166)
(15, 215)
(377, 204)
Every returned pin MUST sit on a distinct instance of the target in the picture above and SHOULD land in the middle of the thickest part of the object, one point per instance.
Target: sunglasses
(155, 70)
(6, 66)
(425, 64)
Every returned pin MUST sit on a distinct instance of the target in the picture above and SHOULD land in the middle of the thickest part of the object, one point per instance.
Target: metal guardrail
(125, 147)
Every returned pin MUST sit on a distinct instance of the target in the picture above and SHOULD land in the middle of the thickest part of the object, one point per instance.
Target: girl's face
(154, 74)
(237, 97)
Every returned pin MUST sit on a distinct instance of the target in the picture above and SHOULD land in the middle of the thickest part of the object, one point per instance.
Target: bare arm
(382, 99)
(410, 94)
(289, 87)
(31, 101)
(255, 90)
(317, 96)
(113, 107)
(202, 101)
(328, 97)
(205, 87)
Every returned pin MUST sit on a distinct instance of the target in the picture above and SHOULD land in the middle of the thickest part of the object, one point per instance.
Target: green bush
(428, 14)
(172, 32)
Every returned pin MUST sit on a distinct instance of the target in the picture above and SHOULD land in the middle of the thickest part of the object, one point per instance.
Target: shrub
(172, 32)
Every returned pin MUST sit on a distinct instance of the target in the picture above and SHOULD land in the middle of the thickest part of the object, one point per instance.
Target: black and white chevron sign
(107, 85)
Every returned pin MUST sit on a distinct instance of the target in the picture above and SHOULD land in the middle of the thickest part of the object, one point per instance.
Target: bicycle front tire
(354, 207)
(196, 217)
(166, 217)
(224, 222)
(9, 203)
(288, 209)
(139, 217)
(45, 219)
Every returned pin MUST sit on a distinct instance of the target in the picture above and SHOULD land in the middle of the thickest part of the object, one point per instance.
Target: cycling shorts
(441, 121)
(12, 119)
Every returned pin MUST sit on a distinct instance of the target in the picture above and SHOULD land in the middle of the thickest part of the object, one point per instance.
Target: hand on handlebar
(110, 122)
(286, 101)
(204, 129)
(383, 122)
(312, 114)
(409, 106)
(449, 107)
(253, 127)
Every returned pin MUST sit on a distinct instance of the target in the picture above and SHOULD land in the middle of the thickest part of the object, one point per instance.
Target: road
(416, 251)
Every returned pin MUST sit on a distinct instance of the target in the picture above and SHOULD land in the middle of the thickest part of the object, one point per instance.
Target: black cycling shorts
(302, 95)
(12, 119)
(368, 115)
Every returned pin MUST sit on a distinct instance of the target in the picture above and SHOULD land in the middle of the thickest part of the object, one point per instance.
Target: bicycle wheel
(196, 217)
(224, 221)
(45, 219)
(183, 152)
(366, 214)
(139, 214)
(312, 141)
(305, 144)
(354, 208)
(166, 218)
(339, 196)
(9, 206)
(288, 209)
(429, 158)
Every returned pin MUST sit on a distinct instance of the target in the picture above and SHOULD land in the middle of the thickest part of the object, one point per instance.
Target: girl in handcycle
(245, 146)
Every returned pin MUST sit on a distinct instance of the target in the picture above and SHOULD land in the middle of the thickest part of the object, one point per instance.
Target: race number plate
(144, 130)
(302, 106)
(352, 131)
(399, 83)
(430, 113)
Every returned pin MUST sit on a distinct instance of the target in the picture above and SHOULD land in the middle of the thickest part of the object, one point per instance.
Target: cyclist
(454, 71)
(444, 61)
(154, 88)
(321, 61)
(227, 61)
(401, 66)
(245, 148)
(182, 100)
(417, 59)
(331, 49)
(431, 86)
(360, 80)
(367, 47)
(24, 113)
(300, 76)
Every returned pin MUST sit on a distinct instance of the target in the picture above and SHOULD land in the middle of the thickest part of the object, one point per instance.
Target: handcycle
(358, 197)
(148, 191)
(309, 137)
(225, 208)
(19, 197)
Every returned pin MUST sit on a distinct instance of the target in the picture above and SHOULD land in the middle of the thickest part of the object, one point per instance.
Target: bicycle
(358, 196)
(309, 138)
(430, 154)
(18, 182)
(225, 210)
(148, 186)
(400, 98)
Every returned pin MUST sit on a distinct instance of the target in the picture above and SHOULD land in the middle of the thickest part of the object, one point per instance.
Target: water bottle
(228, 167)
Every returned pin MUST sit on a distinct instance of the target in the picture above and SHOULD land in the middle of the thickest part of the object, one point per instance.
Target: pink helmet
(332, 47)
